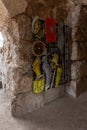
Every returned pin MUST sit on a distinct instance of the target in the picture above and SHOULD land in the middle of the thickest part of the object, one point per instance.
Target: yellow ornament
(37, 26)
(38, 86)
(36, 67)
(55, 61)
(58, 76)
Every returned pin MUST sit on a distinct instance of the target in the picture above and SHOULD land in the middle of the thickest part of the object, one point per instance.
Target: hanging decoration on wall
(50, 54)
(38, 48)
(37, 28)
(47, 71)
(50, 26)
(38, 85)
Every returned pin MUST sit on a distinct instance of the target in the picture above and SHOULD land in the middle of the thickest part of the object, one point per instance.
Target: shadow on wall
(0, 84)
(1, 45)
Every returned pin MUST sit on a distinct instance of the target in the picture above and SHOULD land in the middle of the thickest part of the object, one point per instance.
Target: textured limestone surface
(29, 102)
(78, 69)
(14, 7)
(17, 58)
(47, 8)
(3, 13)
(16, 63)
(79, 51)
(82, 25)
(77, 87)
(77, 19)
(65, 113)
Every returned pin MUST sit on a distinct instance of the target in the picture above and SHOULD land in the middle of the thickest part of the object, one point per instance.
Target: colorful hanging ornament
(38, 48)
(50, 26)
(37, 28)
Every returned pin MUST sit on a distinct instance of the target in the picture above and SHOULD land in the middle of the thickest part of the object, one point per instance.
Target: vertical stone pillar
(78, 22)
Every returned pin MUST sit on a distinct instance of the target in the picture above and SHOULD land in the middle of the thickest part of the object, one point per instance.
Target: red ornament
(50, 26)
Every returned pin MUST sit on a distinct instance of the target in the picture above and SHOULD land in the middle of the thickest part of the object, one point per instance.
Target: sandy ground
(65, 113)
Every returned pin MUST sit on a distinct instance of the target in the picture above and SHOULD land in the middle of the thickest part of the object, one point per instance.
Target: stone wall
(77, 19)
(0, 70)
(25, 100)
(16, 65)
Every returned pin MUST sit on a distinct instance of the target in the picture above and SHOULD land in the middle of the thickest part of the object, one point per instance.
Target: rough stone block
(81, 86)
(21, 78)
(28, 102)
(53, 93)
(81, 33)
(3, 13)
(47, 8)
(77, 87)
(78, 69)
(82, 1)
(15, 7)
(71, 88)
(79, 51)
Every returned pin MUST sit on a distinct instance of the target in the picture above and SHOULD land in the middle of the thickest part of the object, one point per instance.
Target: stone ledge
(54, 93)
(29, 102)
(77, 87)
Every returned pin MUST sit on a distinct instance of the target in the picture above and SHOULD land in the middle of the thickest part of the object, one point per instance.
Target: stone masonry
(77, 19)
(16, 64)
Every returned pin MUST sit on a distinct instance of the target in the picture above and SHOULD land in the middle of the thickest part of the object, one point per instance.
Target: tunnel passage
(17, 55)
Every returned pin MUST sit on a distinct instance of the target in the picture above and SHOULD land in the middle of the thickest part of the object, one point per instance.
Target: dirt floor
(65, 113)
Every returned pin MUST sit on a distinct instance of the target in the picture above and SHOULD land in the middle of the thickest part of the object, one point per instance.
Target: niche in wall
(50, 54)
